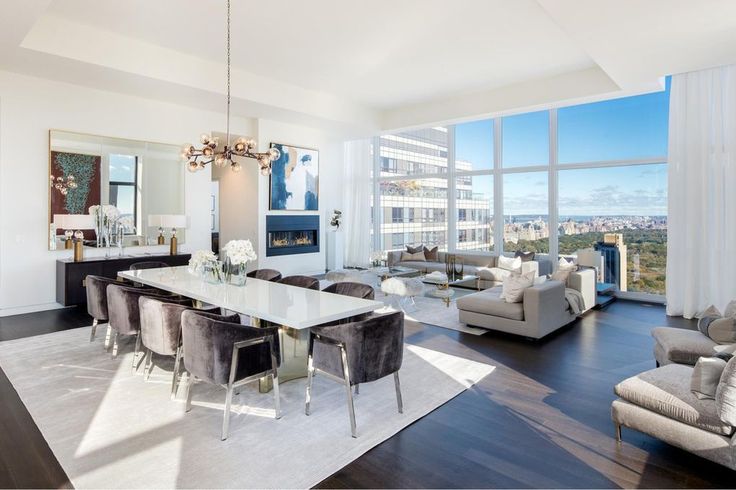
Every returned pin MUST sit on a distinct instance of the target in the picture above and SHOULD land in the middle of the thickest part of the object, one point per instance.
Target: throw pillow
(524, 256)
(564, 265)
(509, 263)
(730, 309)
(706, 376)
(413, 257)
(432, 255)
(560, 275)
(413, 250)
(540, 280)
(514, 286)
(719, 328)
(726, 394)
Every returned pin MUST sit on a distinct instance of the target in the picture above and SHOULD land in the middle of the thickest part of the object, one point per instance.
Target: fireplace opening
(288, 235)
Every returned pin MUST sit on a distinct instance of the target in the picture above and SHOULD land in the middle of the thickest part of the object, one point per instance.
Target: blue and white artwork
(295, 179)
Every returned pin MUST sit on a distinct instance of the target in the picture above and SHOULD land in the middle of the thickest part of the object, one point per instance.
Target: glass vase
(236, 274)
(212, 272)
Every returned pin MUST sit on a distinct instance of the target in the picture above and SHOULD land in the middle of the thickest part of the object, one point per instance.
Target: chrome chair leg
(108, 335)
(137, 349)
(310, 374)
(94, 329)
(275, 379)
(618, 432)
(115, 345)
(190, 385)
(175, 376)
(226, 416)
(399, 401)
(149, 365)
(348, 389)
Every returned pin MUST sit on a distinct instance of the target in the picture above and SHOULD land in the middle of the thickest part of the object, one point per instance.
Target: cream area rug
(109, 428)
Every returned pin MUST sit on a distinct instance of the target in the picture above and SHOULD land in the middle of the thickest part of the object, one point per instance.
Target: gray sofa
(659, 403)
(476, 263)
(543, 309)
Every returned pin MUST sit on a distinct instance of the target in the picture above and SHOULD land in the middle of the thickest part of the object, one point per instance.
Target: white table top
(292, 306)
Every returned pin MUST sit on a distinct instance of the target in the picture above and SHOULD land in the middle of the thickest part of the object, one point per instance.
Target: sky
(626, 128)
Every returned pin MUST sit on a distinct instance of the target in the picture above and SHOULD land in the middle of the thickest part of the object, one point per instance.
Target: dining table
(293, 308)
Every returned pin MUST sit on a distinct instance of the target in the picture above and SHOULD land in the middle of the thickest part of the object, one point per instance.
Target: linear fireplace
(289, 235)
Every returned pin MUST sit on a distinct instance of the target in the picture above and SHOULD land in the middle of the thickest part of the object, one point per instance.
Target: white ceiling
(379, 64)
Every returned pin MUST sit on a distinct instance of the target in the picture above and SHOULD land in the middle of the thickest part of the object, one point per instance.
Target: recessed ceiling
(375, 65)
(381, 53)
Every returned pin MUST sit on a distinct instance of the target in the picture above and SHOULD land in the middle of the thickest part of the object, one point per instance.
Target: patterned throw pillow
(432, 255)
(719, 328)
(413, 250)
(726, 394)
(415, 257)
(524, 256)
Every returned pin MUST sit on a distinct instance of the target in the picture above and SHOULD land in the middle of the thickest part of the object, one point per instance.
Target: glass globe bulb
(70, 178)
(265, 171)
(204, 138)
(251, 143)
(235, 167)
(207, 151)
(192, 166)
(274, 153)
(220, 160)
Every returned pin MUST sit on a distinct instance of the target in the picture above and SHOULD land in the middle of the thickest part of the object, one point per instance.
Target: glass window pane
(619, 129)
(525, 209)
(123, 198)
(630, 201)
(414, 213)
(526, 139)
(416, 152)
(474, 146)
(122, 168)
(474, 203)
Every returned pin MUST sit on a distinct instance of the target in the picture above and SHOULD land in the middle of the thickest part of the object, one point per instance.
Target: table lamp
(154, 220)
(172, 221)
(74, 239)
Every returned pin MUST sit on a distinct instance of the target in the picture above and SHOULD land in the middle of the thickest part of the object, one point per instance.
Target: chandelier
(63, 185)
(198, 158)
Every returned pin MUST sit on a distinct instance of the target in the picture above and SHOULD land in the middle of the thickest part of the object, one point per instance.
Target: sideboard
(70, 275)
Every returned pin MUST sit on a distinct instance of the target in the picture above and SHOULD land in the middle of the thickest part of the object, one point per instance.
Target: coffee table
(384, 273)
(445, 288)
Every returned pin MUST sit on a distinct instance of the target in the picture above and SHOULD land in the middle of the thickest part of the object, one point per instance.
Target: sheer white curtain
(357, 201)
(701, 236)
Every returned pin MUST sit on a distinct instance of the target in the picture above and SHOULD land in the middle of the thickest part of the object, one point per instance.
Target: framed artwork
(295, 179)
(86, 171)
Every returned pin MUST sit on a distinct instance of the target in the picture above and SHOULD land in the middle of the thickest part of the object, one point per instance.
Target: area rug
(109, 428)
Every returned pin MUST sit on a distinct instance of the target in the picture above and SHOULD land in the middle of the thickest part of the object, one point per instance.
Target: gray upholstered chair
(161, 331)
(96, 287)
(228, 354)
(148, 264)
(307, 282)
(357, 352)
(265, 275)
(124, 313)
(354, 289)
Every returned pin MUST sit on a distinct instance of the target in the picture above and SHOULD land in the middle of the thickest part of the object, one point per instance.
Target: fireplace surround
(291, 234)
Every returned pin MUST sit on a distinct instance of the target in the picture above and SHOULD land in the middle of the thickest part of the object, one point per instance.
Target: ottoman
(679, 346)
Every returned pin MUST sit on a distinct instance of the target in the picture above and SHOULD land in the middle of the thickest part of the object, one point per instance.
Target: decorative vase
(212, 272)
(235, 273)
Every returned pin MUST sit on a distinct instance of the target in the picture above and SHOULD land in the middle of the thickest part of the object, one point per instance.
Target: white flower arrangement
(108, 211)
(239, 252)
(200, 258)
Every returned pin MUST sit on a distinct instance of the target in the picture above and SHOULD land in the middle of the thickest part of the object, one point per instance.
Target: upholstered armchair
(354, 289)
(225, 353)
(355, 353)
(161, 331)
(306, 282)
(265, 275)
(149, 264)
(96, 287)
(124, 313)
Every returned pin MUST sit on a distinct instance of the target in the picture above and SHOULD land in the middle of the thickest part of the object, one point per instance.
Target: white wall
(29, 107)
(331, 156)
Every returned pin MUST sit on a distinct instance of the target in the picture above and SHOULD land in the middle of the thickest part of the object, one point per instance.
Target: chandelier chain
(227, 140)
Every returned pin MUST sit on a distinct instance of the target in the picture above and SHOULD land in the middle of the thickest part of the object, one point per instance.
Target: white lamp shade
(173, 221)
(74, 221)
(154, 220)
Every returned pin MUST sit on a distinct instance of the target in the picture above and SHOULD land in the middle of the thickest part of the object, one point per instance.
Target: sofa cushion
(512, 264)
(525, 256)
(489, 302)
(514, 286)
(682, 346)
(706, 376)
(493, 274)
(477, 259)
(726, 393)
(415, 257)
(413, 250)
(431, 255)
(666, 391)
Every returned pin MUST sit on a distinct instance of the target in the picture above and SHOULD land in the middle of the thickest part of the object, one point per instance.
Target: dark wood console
(70, 275)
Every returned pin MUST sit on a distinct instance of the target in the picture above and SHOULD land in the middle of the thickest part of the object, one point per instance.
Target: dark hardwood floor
(541, 419)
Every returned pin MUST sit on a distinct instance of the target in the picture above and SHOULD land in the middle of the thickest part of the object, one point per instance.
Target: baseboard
(20, 310)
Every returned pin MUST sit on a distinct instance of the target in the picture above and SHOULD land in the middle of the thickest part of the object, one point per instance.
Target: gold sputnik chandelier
(63, 185)
(198, 158)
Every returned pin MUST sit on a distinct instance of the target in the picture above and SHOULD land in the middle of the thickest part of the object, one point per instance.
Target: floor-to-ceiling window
(589, 176)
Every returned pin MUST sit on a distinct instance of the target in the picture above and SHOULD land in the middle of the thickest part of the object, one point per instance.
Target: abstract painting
(86, 172)
(295, 179)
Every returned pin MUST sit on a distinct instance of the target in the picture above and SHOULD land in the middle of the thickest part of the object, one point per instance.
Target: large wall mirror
(123, 186)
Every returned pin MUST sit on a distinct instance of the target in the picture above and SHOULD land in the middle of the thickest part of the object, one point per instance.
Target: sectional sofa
(484, 265)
